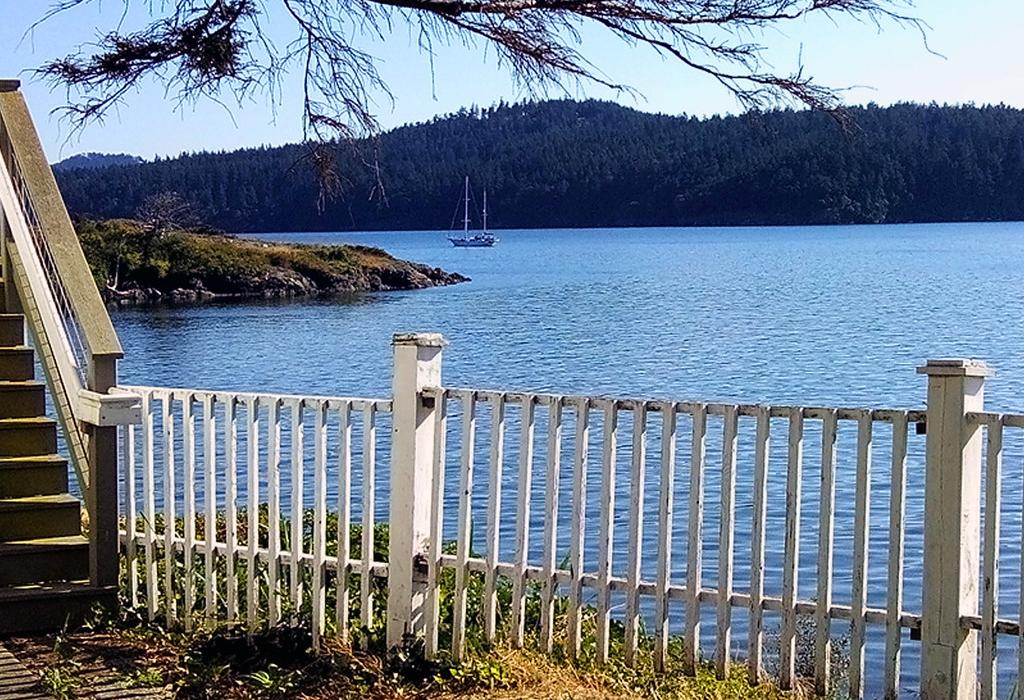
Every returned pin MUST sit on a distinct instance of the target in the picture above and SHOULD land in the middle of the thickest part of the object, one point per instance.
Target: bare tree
(200, 48)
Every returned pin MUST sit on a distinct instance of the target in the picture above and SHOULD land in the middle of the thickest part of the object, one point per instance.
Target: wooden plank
(252, 491)
(861, 523)
(787, 675)
(149, 509)
(523, 523)
(756, 633)
(188, 433)
(319, 592)
(695, 544)
(897, 508)
(131, 515)
(727, 527)
(344, 533)
(636, 532)
(369, 517)
(432, 622)
(231, 503)
(464, 526)
(990, 561)
(274, 511)
(497, 457)
(295, 547)
(607, 534)
(554, 461)
(579, 514)
(210, 506)
(170, 516)
(826, 524)
(666, 503)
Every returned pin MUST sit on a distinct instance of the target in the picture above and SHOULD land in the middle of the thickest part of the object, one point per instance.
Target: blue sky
(979, 41)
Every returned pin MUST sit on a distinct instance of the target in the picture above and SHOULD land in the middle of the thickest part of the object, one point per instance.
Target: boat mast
(485, 211)
(465, 216)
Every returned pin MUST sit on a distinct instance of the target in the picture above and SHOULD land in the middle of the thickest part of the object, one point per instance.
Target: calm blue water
(812, 316)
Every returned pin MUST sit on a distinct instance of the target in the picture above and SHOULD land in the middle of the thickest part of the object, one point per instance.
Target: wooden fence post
(102, 492)
(417, 365)
(952, 513)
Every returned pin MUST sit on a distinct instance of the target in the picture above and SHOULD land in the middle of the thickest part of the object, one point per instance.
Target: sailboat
(481, 239)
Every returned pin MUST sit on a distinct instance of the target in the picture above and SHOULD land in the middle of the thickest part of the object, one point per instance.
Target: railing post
(417, 365)
(101, 496)
(952, 514)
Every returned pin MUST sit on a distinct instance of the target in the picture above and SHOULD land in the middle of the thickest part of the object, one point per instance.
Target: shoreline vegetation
(136, 264)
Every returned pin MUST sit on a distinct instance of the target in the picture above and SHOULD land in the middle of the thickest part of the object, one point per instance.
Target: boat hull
(473, 242)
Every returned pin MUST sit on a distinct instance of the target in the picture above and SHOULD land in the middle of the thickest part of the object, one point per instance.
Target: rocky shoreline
(283, 283)
(133, 266)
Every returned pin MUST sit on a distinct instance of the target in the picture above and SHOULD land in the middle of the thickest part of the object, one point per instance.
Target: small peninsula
(133, 264)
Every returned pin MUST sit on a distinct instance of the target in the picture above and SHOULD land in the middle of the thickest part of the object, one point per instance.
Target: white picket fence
(720, 525)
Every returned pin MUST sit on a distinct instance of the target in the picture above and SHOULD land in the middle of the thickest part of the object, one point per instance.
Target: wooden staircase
(44, 557)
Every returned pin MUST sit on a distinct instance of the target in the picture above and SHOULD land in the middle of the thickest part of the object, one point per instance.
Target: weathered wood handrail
(48, 279)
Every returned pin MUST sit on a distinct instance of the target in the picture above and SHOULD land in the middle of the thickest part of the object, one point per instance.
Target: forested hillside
(565, 163)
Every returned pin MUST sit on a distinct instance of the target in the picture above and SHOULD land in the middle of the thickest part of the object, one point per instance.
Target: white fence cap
(956, 367)
(428, 340)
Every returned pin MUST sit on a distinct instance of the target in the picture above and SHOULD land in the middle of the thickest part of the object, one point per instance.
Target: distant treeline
(582, 164)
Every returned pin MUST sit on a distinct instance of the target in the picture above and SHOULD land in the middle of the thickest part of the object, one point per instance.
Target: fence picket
(231, 503)
(210, 507)
(554, 462)
(497, 456)
(826, 522)
(252, 490)
(756, 633)
(344, 527)
(369, 518)
(170, 495)
(523, 522)
(319, 521)
(131, 509)
(579, 510)
(862, 513)
(433, 602)
(694, 553)
(149, 509)
(465, 523)
(295, 544)
(666, 502)
(188, 434)
(990, 549)
(636, 532)
(897, 501)
(787, 675)
(274, 511)
(727, 521)
(606, 543)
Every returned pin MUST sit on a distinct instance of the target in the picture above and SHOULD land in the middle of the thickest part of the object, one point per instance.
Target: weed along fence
(858, 549)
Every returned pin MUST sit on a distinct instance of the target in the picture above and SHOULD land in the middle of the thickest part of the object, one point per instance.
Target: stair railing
(48, 279)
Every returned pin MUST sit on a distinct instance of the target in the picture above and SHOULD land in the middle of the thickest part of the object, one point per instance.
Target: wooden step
(44, 560)
(33, 517)
(27, 437)
(51, 607)
(22, 399)
(12, 329)
(17, 363)
(33, 476)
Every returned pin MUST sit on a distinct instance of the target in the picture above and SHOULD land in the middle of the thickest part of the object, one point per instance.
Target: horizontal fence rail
(789, 541)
